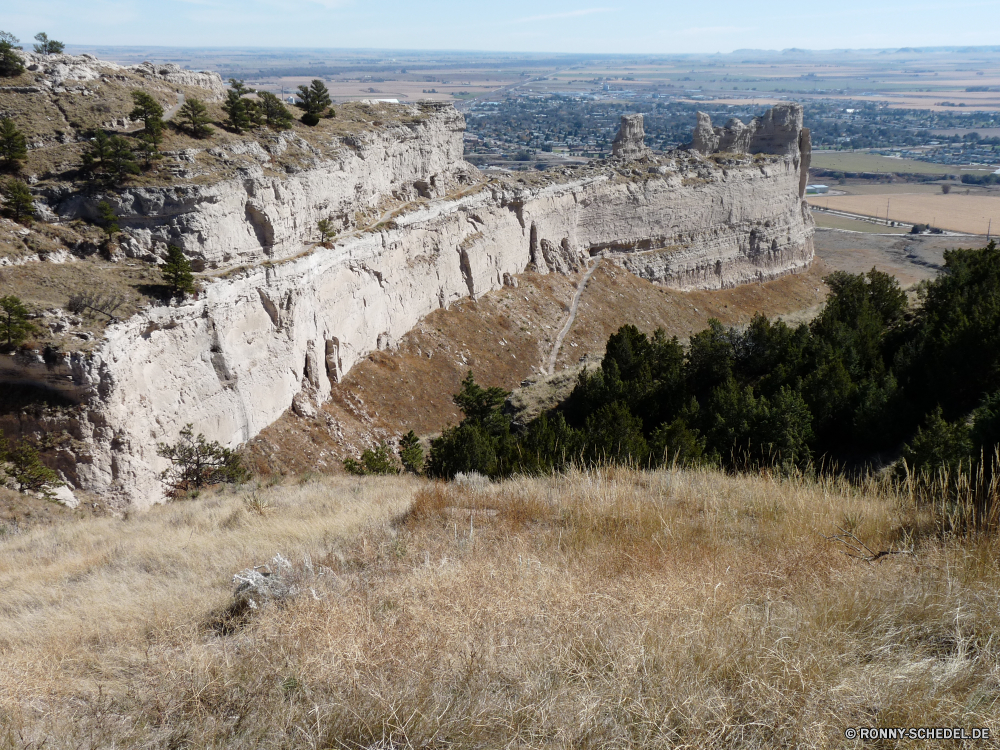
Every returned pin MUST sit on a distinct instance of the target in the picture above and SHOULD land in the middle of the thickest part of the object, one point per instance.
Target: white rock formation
(54, 72)
(276, 334)
(630, 141)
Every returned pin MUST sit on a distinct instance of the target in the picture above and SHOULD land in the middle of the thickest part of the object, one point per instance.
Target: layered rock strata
(630, 142)
(277, 333)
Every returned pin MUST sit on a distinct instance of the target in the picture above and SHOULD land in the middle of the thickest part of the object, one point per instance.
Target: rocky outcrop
(630, 141)
(277, 333)
(257, 215)
(777, 132)
(57, 72)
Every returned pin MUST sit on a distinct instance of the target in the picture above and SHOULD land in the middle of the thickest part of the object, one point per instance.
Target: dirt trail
(572, 316)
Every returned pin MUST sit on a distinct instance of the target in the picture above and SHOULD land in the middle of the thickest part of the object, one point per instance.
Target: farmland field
(956, 213)
(852, 161)
(828, 221)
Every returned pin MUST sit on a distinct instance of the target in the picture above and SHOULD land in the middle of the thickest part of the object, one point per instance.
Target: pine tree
(108, 219)
(18, 199)
(121, 158)
(177, 272)
(273, 112)
(326, 230)
(13, 144)
(47, 46)
(22, 464)
(314, 98)
(14, 325)
(195, 114)
(150, 112)
(235, 107)
(239, 87)
(99, 153)
(10, 62)
(146, 146)
(410, 453)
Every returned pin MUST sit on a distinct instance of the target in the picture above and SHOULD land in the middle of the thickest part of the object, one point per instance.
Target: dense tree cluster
(243, 113)
(866, 376)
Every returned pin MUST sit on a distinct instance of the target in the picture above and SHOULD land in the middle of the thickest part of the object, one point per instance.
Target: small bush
(310, 119)
(20, 462)
(410, 453)
(378, 461)
(195, 463)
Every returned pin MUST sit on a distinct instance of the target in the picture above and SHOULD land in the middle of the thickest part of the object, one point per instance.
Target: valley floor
(604, 609)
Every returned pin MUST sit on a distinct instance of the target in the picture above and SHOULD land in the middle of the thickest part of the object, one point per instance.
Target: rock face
(278, 332)
(54, 72)
(779, 132)
(630, 143)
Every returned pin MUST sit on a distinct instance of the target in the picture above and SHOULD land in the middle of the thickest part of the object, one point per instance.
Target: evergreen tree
(108, 219)
(13, 145)
(196, 119)
(10, 62)
(177, 272)
(195, 462)
(146, 147)
(410, 453)
(239, 88)
(326, 230)
(313, 98)
(273, 112)
(47, 46)
(237, 114)
(18, 199)
(14, 325)
(21, 463)
(121, 158)
(99, 153)
(150, 112)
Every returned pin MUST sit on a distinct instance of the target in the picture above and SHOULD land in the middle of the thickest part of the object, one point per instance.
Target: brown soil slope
(504, 338)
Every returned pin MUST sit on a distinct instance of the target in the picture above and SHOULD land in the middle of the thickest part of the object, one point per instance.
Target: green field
(832, 221)
(852, 161)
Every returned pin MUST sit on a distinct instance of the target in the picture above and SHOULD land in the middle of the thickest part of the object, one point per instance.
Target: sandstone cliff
(288, 317)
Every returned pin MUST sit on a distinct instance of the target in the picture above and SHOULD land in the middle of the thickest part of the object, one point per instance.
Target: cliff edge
(281, 316)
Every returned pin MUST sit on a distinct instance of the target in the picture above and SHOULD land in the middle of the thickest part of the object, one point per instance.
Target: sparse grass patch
(608, 609)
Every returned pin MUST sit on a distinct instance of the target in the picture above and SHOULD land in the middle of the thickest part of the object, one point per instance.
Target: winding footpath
(572, 316)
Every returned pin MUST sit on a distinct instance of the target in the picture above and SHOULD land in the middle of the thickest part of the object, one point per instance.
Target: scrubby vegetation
(196, 462)
(605, 609)
(21, 465)
(850, 388)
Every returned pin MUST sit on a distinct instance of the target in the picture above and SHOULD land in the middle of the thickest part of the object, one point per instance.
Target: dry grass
(955, 212)
(504, 337)
(611, 609)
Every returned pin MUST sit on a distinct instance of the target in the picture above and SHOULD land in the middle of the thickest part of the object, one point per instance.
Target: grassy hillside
(608, 609)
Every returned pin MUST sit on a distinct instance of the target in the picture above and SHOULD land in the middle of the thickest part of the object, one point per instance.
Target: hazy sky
(513, 25)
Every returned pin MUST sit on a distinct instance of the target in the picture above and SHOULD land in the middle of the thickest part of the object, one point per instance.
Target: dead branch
(861, 551)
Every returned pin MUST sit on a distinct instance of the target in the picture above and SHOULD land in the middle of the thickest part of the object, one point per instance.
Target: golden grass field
(954, 212)
(610, 609)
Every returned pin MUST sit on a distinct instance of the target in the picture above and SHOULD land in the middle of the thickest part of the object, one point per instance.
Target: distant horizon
(953, 48)
(634, 27)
